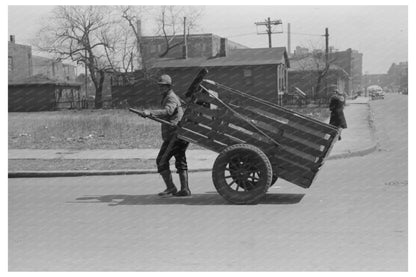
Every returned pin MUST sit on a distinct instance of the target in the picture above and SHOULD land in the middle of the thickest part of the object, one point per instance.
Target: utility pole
(185, 42)
(326, 59)
(268, 23)
(326, 46)
(288, 40)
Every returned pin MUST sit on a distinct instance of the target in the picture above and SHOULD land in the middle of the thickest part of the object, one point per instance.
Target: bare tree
(322, 69)
(133, 16)
(170, 24)
(315, 69)
(83, 34)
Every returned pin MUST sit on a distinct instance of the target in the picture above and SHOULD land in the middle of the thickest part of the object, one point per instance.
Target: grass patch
(95, 129)
(87, 129)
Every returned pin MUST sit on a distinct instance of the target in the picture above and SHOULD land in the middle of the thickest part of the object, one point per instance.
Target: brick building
(22, 65)
(20, 60)
(52, 69)
(198, 45)
(352, 62)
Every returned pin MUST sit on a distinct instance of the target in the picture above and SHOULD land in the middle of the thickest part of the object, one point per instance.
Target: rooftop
(234, 57)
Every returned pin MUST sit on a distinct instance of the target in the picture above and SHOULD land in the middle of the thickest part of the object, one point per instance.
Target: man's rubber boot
(183, 177)
(170, 186)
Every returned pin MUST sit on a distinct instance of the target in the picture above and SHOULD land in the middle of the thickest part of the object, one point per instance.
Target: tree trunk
(318, 86)
(99, 90)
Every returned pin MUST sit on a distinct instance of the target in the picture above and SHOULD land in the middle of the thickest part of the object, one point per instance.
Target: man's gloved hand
(147, 113)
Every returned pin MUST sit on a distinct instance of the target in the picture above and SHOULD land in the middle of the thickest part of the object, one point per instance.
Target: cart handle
(142, 114)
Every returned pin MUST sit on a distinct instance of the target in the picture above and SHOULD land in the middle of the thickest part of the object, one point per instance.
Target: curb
(358, 153)
(79, 173)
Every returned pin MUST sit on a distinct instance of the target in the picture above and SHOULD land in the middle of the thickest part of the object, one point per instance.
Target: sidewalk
(357, 140)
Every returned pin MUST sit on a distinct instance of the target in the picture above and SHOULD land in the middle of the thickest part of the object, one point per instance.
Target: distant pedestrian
(172, 146)
(336, 106)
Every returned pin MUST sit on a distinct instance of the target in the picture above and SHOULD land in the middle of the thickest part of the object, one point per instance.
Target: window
(10, 63)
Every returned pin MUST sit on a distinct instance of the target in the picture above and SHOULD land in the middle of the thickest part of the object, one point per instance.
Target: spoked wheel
(242, 174)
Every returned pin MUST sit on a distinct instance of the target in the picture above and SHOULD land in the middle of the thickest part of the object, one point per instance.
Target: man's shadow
(208, 198)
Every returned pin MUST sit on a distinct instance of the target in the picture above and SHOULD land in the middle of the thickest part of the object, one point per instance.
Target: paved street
(353, 218)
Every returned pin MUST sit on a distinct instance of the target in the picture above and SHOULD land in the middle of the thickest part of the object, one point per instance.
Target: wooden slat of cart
(284, 142)
(269, 126)
(295, 129)
(227, 94)
(196, 138)
(223, 128)
(248, 100)
(314, 136)
(211, 134)
(294, 120)
(249, 138)
(284, 152)
(281, 155)
(257, 141)
(287, 143)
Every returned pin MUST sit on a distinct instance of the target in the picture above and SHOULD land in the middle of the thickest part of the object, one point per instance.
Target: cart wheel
(242, 174)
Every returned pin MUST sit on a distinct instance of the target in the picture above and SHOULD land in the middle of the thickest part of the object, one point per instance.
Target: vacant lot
(94, 129)
(86, 129)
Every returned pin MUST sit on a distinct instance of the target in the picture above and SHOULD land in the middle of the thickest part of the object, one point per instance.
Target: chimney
(12, 39)
(223, 46)
(288, 40)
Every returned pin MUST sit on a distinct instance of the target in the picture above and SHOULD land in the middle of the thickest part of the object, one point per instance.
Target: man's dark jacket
(336, 106)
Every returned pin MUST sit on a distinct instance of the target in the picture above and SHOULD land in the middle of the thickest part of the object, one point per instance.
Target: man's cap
(165, 80)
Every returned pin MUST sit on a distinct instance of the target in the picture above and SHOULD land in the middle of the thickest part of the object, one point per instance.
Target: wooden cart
(257, 141)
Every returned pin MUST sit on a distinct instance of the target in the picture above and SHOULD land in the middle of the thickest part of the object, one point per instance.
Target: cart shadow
(196, 199)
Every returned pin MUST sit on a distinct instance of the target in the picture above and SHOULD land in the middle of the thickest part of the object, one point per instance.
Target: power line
(243, 34)
(306, 34)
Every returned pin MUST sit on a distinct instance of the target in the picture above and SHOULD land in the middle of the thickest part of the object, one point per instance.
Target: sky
(379, 32)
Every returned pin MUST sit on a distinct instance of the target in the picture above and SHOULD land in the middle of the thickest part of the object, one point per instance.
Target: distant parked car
(375, 92)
